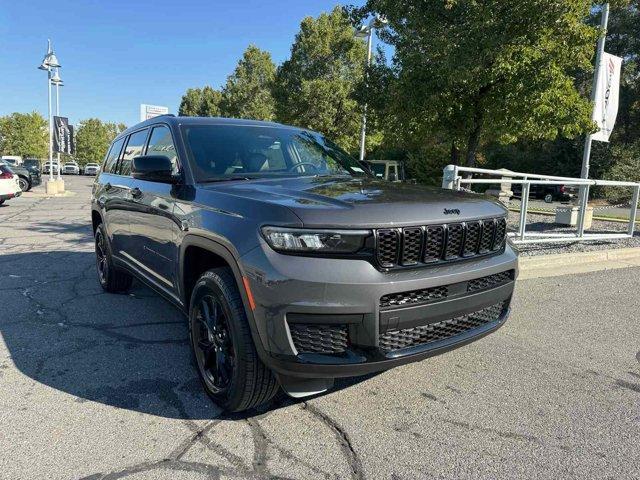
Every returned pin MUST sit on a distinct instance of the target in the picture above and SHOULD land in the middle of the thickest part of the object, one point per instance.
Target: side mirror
(153, 168)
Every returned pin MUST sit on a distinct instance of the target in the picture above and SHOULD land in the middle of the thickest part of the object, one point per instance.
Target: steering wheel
(297, 165)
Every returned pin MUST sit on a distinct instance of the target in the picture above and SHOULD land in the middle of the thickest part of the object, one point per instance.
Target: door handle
(107, 186)
(136, 192)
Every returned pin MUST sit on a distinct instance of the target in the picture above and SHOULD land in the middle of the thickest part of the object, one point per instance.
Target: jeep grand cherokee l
(292, 263)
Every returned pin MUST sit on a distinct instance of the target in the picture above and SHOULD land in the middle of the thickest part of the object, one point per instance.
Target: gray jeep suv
(292, 262)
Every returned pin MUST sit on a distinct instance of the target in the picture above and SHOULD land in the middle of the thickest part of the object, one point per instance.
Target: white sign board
(605, 108)
(150, 111)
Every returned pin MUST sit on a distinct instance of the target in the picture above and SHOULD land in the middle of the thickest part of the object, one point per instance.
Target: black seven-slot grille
(411, 337)
(423, 245)
(434, 294)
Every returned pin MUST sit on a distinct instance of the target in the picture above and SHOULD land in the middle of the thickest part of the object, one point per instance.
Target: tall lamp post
(366, 31)
(49, 62)
(57, 81)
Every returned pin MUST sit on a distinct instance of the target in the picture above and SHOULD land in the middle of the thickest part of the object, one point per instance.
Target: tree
(247, 93)
(200, 102)
(93, 138)
(473, 72)
(24, 134)
(315, 87)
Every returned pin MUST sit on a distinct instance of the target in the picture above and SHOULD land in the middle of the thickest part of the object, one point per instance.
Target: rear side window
(112, 156)
(134, 148)
(161, 143)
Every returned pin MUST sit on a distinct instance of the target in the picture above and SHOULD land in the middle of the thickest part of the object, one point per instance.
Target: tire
(25, 186)
(548, 198)
(111, 279)
(228, 365)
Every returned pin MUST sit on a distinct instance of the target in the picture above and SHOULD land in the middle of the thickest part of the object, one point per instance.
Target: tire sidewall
(212, 284)
(25, 182)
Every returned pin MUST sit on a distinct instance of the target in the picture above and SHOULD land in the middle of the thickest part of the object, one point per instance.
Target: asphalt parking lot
(99, 386)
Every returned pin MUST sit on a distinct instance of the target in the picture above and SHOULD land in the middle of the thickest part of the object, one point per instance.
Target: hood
(363, 202)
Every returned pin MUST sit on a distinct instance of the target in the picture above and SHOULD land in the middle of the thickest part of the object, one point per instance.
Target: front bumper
(338, 302)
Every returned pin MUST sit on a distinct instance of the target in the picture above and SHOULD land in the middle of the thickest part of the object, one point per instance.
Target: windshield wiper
(226, 179)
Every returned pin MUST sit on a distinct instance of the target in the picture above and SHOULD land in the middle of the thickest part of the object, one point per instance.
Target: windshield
(220, 152)
(32, 163)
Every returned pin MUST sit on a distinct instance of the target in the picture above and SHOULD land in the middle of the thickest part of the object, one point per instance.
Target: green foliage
(476, 72)
(200, 102)
(24, 134)
(315, 87)
(93, 137)
(247, 93)
(626, 167)
(623, 40)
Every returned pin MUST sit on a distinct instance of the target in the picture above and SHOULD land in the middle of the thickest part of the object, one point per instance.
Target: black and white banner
(63, 141)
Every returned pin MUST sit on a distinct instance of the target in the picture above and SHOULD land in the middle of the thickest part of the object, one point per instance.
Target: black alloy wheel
(224, 352)
(102, 264)
(112, 279)
(213, 345)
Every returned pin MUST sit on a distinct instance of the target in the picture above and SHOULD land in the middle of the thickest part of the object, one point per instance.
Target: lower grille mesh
(411, 337)
(490, 281)
(312, 338)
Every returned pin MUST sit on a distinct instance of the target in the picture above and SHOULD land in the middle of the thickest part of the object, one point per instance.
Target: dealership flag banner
(605, 108)
(63, 136)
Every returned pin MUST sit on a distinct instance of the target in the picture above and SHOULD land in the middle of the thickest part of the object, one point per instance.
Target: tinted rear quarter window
(112, 156)
(134, 148)
(161, 143)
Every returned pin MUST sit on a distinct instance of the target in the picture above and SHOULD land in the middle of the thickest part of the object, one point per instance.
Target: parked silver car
(48, 166)
(91, 169)
(71, 168)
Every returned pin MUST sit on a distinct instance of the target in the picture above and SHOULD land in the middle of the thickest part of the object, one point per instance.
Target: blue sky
(117, 54)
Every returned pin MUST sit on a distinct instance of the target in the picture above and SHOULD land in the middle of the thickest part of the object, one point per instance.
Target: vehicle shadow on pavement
(128, 351)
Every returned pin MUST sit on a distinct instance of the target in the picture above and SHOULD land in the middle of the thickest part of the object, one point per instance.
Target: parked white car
(71, 168)
(91, 169)
(9, 184)
(48, 166)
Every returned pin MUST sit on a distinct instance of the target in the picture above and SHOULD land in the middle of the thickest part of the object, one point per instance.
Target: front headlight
(301, 240)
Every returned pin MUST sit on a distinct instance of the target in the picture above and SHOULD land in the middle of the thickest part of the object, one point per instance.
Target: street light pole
(362, 32)
(583, 192)
(594, 90)
(58, 114)
(49, 62)
(363, 131)
(50, 127)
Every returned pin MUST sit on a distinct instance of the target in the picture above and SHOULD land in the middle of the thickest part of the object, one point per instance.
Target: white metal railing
(452, 180)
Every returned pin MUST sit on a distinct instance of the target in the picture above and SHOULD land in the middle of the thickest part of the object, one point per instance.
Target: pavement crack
(186, 445)
(343, 438)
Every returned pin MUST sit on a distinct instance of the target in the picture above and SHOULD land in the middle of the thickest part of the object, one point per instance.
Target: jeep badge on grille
(451, 211)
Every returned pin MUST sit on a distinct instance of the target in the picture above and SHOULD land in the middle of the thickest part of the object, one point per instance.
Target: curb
(581, 262)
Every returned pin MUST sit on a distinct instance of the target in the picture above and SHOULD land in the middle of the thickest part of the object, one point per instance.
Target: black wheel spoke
(212, 340)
